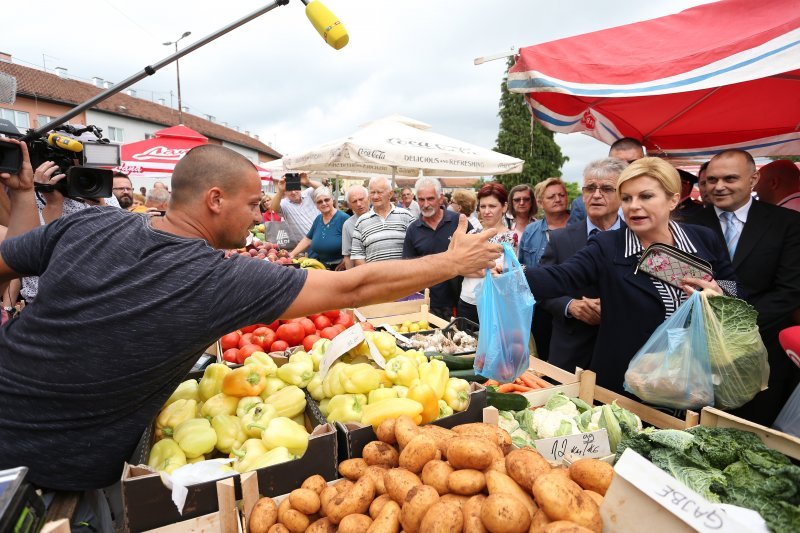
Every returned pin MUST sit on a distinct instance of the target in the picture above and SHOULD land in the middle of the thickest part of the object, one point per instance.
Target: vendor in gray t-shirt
(127, 303)
(358, 201)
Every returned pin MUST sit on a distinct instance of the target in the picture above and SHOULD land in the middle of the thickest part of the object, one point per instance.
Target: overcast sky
(275, 77)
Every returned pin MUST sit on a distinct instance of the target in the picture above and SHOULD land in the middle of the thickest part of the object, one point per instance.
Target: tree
(526, 139)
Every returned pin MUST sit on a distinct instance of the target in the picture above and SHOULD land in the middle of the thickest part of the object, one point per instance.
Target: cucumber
(456, 362)
(506, 401)
(469, 375)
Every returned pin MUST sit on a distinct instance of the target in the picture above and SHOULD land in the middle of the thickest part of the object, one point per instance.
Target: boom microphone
(327, 24)
(61, 141)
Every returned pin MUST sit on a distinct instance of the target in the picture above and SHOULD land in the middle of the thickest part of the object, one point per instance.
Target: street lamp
(178, 70)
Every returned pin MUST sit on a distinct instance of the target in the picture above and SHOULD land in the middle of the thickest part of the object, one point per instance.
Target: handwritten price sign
(594, 444)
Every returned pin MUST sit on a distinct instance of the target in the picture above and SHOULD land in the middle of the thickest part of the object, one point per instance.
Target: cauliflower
(549, 423)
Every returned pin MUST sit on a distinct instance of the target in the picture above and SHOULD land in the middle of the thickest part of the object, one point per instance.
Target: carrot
(542, 383)
(506, 387)
(522, 388)
(526, 379)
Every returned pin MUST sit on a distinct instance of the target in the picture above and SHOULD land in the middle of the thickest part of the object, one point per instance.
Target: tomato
(313, 317)
(367, 326)
(247, 350)
(249, 329)
(274, 325)
(329, 333)
(339, 327)
(322, 322)
(231, 340)
(309, 341)
(231, 355)
(293, 333)
(247, 338)
(308, 326)
(333, 315)
(264, 337)
(279, 346)
(344, 319)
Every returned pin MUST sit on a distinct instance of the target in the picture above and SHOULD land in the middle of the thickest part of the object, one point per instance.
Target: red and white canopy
(720, 75)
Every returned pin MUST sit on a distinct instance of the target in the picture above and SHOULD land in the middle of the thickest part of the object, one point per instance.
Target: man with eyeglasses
(576, 317)
(122, 189)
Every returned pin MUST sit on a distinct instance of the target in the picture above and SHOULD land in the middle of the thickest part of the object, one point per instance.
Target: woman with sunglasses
(325, 236)
(521, 209)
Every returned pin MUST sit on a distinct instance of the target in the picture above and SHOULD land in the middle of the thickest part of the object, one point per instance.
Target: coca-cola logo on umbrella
(161, 152)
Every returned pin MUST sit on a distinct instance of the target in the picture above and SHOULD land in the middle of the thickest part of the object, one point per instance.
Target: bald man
(780, 184)
(127, 303)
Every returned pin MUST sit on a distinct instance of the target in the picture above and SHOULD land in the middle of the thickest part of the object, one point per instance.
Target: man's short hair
(702, 169)
(158, 196)
(404, 189)
(121, 175)
(356, 187)
(608, 168)
(626, 143)
(378, 179)
(785, 170)
(428, 182)
(751, 164)
(207, 166)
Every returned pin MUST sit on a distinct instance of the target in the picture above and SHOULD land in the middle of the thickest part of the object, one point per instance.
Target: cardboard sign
(594, 444)
(343, 343)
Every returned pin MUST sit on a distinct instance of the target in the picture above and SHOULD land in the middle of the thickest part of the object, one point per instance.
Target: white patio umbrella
(402, 147)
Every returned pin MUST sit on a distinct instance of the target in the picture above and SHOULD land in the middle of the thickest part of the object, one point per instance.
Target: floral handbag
(671, 265)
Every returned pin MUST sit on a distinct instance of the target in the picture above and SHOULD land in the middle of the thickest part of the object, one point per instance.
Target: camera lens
(87, 184)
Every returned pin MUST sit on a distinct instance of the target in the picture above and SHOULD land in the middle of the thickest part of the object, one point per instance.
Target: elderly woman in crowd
(521, 209)
(325, 235)
(635, 304)
(551, 196)
(492, 205)
(465, 201)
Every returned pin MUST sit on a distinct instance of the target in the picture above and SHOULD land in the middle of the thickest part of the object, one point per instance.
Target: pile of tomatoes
(284, 334)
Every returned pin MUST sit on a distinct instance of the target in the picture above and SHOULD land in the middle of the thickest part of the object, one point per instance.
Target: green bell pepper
(456, 394)
(402, 371)
(255, 421)
(299, 371)
(444, 409)
(346, 408)
(172, 415)
(247, 403)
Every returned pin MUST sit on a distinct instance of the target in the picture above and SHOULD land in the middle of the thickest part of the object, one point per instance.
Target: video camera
(77, 151)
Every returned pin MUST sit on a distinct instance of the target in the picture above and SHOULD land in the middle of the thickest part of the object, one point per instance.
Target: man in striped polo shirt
(380, 232)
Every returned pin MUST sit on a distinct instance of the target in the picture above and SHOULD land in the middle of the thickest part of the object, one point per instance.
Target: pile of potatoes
(429, 480)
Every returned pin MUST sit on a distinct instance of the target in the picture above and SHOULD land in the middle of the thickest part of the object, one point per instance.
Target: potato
(442, 517)
(435, 473)
(598, 498)
(398, 482)
(404, 430)
(565, 526)
(562, 470)
(466, 482)
(456, 499)
(278, 528)
(487, 431)
(416, 504)
(355, 523)
(539, 522)
(525, 465)
(471, 452)
(498, 465)
(377, 504)
(381, 454)
(417, 453)
(563, 499)
(343, 485)
(304, 500)
(498, 483)
(263, 516)
(441, 435)
(376, 473)
(353, 469)
(592, 474)
(501, 513)
(325, 497)
(388, 520)
(316, 483)
(354, 501)
(294, 520)
(472, 514)
(385, 431)
(323, 525)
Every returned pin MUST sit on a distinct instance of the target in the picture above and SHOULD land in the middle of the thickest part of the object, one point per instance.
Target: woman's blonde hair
(466, 200)
(538, 190)
(653, 167)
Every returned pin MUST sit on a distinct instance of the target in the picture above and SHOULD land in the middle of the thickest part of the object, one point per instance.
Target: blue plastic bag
(673, 368)
(505, 310)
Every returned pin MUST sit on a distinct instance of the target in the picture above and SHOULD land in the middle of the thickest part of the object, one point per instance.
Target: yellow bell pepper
(230, 433)
(360, 378)
(457, 394)
(402, 392)
(384, 379)
(195, 437)
(417, 356)
(273, 384)
(172, 415)
(332, 383)
(264, 361)
(166, 456)
(299, 371)
(211, 382)
(198, 459)
(188, 390)
(247, 380)
(221, 404)
(318, 352)
(246, 456)
(444, 409)
(288, 402)
(435, 374)
(385, 343)
(283, 432)
(323, 407)
(423, 393)
(272, 457)
(402, 371)
(255, 421)
(376, 413)
(380, 394)
(247, 403)
(299, 419)
(315, 389)
(345, 408)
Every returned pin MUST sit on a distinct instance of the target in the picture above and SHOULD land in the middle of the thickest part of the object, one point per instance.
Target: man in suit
(576, 317)
(764, 245)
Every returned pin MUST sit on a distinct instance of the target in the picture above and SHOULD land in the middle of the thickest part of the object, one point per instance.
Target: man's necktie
(731, 232)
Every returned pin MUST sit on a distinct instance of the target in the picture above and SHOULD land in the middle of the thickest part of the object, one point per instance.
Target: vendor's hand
(46, 174)
(690, 285)
(23, 180)
(471, 253)
(586, 310)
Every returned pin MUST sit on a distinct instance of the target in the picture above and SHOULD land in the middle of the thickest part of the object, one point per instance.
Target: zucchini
(455, 362)
(506, 401)
(469, 375)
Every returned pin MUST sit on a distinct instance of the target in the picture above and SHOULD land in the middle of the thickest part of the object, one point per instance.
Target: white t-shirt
(300, 216)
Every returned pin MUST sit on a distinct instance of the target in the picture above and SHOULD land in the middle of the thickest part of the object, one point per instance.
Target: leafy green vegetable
(673, 438)
(611, 424)
(581, 405)
(720, 446)
(682, 468)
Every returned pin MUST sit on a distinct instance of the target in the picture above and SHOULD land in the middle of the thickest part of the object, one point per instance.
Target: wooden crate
(226, 520)
(394, 308)
(777, 440)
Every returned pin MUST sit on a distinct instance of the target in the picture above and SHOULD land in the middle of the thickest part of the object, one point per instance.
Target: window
(41, 120)
(149, 136)
(18, 118)
(115, 134)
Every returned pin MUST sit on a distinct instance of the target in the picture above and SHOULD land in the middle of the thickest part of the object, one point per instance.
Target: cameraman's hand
(22, 181)
(46, 174)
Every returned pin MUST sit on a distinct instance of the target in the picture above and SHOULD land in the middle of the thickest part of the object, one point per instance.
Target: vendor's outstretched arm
(386, 281)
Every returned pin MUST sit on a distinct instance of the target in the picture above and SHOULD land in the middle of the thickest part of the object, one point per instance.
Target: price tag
(359, 316)
(343, 343)
(389, 329)
(594, 444)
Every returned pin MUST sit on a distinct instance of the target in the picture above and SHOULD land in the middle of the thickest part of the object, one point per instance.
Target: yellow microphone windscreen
(327, 24)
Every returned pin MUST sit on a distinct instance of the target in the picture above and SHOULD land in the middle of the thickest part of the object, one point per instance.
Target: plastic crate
(458, 324)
